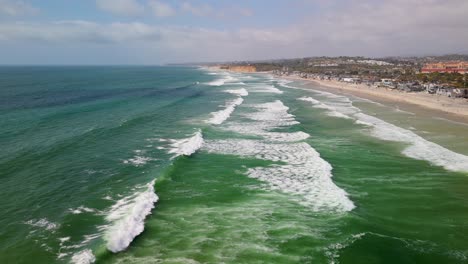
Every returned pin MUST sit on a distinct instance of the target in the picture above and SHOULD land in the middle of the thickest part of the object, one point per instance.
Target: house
(410, 87)
(351, 80)
(431, 88)
(461, 92)
(446, 91)
(387, 83)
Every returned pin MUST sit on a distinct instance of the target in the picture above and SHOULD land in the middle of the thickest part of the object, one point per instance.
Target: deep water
(189, 165)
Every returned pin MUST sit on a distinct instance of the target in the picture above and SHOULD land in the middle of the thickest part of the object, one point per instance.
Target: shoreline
(455, 109)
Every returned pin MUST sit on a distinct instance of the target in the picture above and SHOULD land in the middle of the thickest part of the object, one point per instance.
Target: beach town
(437, 83)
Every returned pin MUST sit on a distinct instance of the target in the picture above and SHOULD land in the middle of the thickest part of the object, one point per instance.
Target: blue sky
(165, 31)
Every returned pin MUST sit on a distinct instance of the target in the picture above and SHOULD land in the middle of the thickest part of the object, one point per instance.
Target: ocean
(191, 165)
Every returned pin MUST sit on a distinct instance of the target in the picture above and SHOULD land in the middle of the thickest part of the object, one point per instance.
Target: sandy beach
(451, 108)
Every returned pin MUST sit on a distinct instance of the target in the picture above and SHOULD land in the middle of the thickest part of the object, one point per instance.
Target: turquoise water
(187, 165)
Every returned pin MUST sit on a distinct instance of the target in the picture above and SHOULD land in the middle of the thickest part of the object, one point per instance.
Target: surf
(298, 168)
(417, 147)
(187, 146)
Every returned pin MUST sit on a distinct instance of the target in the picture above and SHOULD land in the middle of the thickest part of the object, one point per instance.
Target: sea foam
(301, 171)
(264, 88)
(220, 116)
(240, 92)
(222, 81)
(127, 216)
(187, 146)
(83, 257)
(418, 147)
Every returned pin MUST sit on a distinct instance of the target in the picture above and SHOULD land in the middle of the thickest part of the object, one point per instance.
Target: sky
(153, 32)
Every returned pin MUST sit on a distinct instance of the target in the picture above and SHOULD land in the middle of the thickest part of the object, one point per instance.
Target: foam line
(301, 173)
(263, 88)
(83, 257)
(240, 92)
(418, 147)
(222, 81)
(220, 116)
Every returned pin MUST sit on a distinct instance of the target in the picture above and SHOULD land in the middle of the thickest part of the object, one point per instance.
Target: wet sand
(423, 104)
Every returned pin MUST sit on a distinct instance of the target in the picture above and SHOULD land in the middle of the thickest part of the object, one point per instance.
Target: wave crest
(127, 217)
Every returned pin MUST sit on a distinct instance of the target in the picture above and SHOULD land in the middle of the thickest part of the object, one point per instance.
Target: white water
(302, 173)
(418, 147)
(127, 216)
(240, 92)
(187, 146)
(83, 257)
(82, 209)
(138, 160)
(222, 81)
(220, 116)
(44, 224)
(265, 88)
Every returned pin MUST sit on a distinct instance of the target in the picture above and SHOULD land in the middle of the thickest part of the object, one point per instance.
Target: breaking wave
(418, 147)
(83, 257)
(127, 218)
(301, 172)
(222, 81)
(220, 116)
(266, 89)
(240, 92)
(187, 146)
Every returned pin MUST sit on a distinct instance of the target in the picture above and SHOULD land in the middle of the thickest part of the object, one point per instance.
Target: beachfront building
(451, 66)
(390, 83)
(410, 87)
(431, 88)
(351, 80)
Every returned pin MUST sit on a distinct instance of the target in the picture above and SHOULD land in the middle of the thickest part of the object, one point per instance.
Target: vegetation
(454, 79)
(401, 69)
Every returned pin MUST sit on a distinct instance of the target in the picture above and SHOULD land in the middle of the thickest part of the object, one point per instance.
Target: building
(450, 66)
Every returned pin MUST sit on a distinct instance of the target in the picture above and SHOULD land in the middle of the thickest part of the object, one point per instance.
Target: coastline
(455, 109)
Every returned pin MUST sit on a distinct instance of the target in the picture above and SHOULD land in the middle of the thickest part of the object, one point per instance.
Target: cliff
(238, 68)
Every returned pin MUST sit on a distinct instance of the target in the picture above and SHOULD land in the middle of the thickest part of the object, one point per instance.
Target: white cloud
(121, 7)
(161, 9)
(197, 10)
(368, 28)
(16, 8)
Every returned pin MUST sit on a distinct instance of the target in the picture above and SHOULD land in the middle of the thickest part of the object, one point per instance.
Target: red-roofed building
(450, 66)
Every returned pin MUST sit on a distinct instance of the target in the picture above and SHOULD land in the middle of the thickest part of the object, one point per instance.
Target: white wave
(305, 174)
(285, 83)
(332, 110)
(302, 172)
(271, 116)
(309, 99)
(218, 82)
(82, 209)
(138, 160)
(240, 92)
(43, 223)
(64, 239)
(187, 146)
(266, 89)
(419, 148)
(220, 116)
(127, 216)
(235, 83)
(222, 81)
(83, 257)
